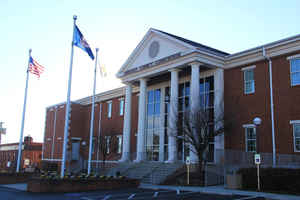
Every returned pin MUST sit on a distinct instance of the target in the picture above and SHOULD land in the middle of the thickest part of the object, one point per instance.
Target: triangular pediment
(154, 46)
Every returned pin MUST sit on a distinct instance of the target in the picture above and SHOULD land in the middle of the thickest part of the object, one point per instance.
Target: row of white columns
(172, 129)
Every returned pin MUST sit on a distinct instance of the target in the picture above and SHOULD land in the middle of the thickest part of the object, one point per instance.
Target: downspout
(272, 105)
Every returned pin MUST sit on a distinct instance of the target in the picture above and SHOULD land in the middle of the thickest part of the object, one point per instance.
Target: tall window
(295, 72)
(249, 86)
(296, 128)
(119, 143)
(153, 124)
(250, 139)
(121, 107)
(109, 108)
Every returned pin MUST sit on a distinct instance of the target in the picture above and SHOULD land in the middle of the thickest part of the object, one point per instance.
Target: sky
(115, 27)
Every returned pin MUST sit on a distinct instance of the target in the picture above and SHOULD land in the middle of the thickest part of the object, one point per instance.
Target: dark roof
(197, 45)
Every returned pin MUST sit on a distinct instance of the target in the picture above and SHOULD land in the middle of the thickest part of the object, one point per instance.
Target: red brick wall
(243, 108)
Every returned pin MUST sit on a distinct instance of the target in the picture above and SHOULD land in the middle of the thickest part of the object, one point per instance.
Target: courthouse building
(166, 75)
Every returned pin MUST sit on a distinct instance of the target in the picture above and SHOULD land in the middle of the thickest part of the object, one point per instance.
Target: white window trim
(75, 138)
(248, 68)
(249, 126)
(120, 137)
(109, 112)
(294, 57)
(244, 70)
(123, 106)
(246, 136)
(295, 122)
(294, 138)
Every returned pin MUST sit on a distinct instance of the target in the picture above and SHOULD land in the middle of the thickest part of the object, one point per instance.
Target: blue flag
(80, 42)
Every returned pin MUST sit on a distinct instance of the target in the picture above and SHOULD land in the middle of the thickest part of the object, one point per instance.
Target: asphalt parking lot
(134, 194)
(139, 194)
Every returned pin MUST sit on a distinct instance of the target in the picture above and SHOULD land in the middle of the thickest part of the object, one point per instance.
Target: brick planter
(79, 185)
(12, 178)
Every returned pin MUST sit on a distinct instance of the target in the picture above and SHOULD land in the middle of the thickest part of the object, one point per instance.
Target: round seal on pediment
(153, 49)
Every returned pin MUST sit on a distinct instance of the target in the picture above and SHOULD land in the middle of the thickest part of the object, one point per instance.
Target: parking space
(140, 194)
(134, 194)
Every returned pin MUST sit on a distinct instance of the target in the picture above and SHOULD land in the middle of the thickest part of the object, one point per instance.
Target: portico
(172, 74)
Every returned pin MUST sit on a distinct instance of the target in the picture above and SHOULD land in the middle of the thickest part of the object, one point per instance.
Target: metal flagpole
(23, 117)
(92, 115)
(62, 172)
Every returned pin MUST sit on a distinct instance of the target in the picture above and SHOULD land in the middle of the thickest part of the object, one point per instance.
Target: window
(109, 108)
(249, 81)
(119, 140)
(296, 130)
(107, 140)
(250, 139)
(121, 107)
(295, 71)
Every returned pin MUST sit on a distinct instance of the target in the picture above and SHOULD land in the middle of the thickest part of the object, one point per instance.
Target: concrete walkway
(17, 186)
(222, 191)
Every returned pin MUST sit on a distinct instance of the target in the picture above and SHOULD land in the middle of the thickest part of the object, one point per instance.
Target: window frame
(121, 106)
(245, 70)
(295, 123)
(291, 72)
(109, 109)
(107, 141)
(248, 126)
(120, 142)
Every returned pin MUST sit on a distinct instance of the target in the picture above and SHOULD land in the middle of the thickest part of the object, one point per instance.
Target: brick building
(166, 71)
(31, 154)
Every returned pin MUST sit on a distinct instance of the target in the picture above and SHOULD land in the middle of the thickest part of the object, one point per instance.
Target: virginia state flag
(79, 41)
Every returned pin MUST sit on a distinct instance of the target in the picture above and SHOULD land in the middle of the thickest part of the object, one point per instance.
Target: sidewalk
(222, 191)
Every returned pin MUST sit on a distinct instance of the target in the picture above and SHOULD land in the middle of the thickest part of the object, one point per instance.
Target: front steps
(147, 172)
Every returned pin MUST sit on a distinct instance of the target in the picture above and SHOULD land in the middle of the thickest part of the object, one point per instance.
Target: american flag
(35, 68)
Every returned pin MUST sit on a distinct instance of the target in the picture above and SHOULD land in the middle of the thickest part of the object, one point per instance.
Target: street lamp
(257, 121)
(257, 160)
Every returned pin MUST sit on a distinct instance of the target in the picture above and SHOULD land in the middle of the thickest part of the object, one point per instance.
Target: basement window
(296, 130)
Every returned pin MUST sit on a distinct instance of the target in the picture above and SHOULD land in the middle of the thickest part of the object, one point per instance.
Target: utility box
(234, 181)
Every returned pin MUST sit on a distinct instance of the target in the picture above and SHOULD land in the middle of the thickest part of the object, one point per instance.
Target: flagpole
(92, 115)
(23, 117)
(62, 172)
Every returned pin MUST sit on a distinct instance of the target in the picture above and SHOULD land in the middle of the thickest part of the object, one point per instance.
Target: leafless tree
(107, 146)
(198, 127)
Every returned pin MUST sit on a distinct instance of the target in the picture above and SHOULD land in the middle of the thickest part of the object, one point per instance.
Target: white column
(195, 100)
(142, 118)
(172, 117)
(127, 125)
(162, 125)
(219, 110)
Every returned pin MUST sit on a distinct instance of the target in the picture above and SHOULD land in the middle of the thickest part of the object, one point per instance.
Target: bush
(272, 179)
(49, 166)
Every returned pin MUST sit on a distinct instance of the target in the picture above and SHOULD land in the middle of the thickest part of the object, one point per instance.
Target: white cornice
(181, 61)
(293, 57)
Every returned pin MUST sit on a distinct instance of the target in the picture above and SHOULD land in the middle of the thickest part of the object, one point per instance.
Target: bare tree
(198, 127)
(107, 145)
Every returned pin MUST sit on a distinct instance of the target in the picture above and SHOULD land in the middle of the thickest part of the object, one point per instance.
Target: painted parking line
(85, 198)
(106, 197)
(249, 198)
(131, 196)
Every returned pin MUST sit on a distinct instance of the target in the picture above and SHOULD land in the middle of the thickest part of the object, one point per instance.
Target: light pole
(257, 121)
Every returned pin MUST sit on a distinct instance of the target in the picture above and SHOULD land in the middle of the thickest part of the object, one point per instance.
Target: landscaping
(12, 177)
(78, 183)
(279, 180)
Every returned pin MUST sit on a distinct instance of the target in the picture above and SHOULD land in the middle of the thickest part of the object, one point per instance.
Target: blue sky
(115, 27)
